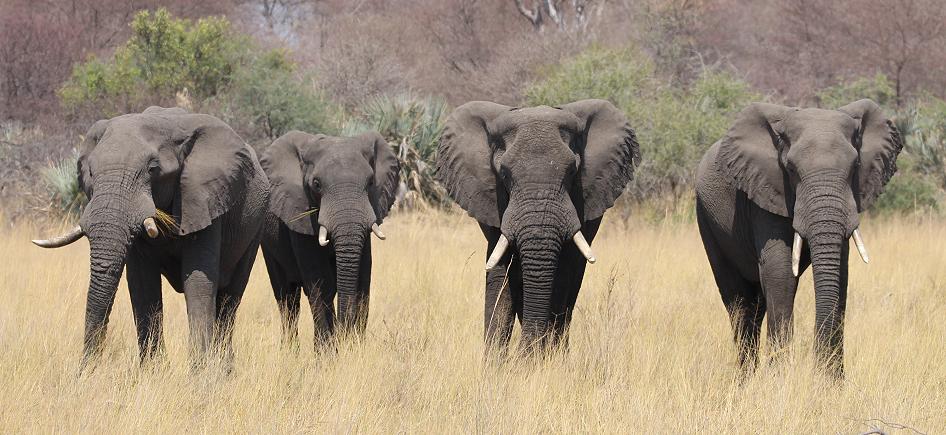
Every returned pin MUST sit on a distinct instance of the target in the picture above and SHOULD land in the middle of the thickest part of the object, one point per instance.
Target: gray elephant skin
(329, 194)
(781, 191)
(538, 181)
(198, 173)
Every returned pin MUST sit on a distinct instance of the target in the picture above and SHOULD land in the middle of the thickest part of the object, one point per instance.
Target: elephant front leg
(144, 287)
(502, 285)
(201, 267)
(779, 286)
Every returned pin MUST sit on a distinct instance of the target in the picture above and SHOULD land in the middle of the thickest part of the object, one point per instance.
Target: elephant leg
(200, 269)
(288, 297)
(364, 289)
(316, 267)
(568, 279)
(779, 286)
(743, 300)
(228, 300)
(503, 288)
(144, 286)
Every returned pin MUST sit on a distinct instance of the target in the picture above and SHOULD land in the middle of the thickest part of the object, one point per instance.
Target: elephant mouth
(502, 245)
(798, 243)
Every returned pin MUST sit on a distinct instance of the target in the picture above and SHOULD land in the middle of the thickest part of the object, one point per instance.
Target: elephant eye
(316, 185)
(153, 166)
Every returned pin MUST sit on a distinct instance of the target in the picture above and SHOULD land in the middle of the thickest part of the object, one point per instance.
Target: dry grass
(650, 348)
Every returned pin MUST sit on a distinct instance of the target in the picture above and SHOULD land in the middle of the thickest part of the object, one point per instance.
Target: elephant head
(339, 188)
(186, 169)
(538, 174)
(820, 168)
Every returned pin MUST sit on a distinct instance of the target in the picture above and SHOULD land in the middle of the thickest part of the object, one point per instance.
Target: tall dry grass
(650, 348)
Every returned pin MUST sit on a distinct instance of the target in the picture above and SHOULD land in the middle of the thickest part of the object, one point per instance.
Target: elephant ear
(89, 141)
(464, 160)
(749, 156)
(387, 171)
(217, 167)
(288, 200)
(879, 143)
(609, 154)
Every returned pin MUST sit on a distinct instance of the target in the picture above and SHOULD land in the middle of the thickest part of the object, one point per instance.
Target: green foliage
(270, 97)
(412, 126)
(674, 125)
(878, 88)
(909, 191)
(63, 185)
(164, 55)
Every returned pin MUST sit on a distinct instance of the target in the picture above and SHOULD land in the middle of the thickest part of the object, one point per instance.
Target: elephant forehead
(819, 120)
(550, 117)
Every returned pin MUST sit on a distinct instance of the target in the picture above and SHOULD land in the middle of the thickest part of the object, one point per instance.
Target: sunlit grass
(650, 348)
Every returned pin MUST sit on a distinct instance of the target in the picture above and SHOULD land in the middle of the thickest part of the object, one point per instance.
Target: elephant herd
(181, 195)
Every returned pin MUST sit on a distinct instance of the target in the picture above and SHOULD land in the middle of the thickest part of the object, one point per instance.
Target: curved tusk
(323, 236)
(377, 231)
(501, 246)
(861, 249)
(150, 227)
(796, 254)
(582, 245)
(75, 233)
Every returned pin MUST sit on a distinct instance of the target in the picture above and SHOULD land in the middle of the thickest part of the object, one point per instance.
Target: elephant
(328, 194)
(783, 190)
(535, 179)
(176, 194)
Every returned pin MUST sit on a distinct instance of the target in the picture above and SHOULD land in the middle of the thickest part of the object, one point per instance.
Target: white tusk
(323, 236)
(501, 245)
(582, 245)
(861, 249)
(72, 235)
(150, 227)
(796, 254)
(377, 231)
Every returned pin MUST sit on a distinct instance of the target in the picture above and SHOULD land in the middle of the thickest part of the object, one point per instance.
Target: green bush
(164, 55)
(909, 191)
(268, 96)
(674, 126)
(63, 185)
(878, 88)
(412, 126)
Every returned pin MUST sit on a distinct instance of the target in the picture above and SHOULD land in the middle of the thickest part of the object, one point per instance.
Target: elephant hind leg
(744, 300)
(228, 300)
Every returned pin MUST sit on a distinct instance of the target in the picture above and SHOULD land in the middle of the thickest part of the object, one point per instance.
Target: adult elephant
(170, 193)
(538, 180)
(339, 188)
(782, 191)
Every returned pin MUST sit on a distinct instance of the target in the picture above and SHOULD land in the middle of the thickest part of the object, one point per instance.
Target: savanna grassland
(650, 348)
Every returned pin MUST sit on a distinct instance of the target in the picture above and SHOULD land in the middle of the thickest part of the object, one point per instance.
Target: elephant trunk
(349, 240)
(110, 231)
(539, 249)
(827, 240)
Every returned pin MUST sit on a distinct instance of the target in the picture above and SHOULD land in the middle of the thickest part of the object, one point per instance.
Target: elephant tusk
(796, 254)
(323, 236)
(72, 235)
(501, 246)
(150, 227)
(861, 249)
(377, 231)
(582, 245)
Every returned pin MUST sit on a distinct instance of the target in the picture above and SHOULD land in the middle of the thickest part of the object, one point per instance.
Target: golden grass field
(650, 348)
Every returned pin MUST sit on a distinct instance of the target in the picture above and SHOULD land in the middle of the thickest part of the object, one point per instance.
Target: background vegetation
(680, 70)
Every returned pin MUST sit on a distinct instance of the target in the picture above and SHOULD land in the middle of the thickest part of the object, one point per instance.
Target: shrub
(63, 185)
(412, 126)
(909, 191)
(164, 55)
(674, 126)
(270, 98)
(878, 88)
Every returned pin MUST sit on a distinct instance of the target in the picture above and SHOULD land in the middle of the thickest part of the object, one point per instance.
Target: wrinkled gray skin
(195, 168)
(349, 184)
(778, 171)
(537, 176)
